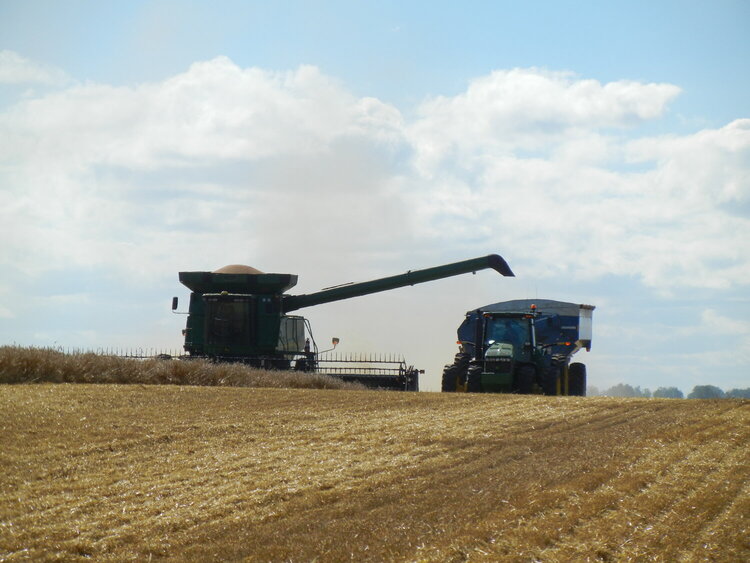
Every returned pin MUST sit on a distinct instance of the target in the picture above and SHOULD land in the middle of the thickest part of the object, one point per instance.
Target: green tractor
(522, 346)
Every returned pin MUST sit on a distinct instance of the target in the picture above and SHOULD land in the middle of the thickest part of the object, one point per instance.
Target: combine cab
(522, 346)
(241, 314)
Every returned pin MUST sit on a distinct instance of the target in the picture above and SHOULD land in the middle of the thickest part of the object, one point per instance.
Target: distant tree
(706, 392)
(668, 393)
(592, 390)
(625, 390)
(738, 393)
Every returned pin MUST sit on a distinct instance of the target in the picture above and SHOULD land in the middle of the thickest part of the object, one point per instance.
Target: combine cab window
(512, 330)
(228, 322)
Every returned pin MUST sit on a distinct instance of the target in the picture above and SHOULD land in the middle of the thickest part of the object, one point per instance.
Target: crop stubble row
(266, 474)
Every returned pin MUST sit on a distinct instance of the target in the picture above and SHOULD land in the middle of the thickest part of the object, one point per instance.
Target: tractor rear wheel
(577, 379)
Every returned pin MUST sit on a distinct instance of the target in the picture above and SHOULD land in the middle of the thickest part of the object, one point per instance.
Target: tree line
(698, 392)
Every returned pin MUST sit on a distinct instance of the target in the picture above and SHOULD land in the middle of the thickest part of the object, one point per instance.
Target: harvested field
(136, 472)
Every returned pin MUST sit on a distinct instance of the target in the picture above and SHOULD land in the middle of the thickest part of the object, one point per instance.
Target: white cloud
(213, 162)
(229, 164)
(717, 323)
(15, 69)
(525, 158)
(528, 109)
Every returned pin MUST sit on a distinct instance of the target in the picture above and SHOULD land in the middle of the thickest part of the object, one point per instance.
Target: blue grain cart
(522, 346)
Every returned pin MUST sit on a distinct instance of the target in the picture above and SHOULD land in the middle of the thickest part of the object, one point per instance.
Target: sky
(601, 148)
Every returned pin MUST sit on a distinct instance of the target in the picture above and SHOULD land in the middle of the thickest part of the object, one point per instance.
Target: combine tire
(474, 379)
(577, 380)
(524, 380)
(454, 375)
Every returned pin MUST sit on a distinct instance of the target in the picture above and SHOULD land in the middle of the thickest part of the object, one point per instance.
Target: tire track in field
(463, 477)
(527, 532)
(639, 501)
(216, 474)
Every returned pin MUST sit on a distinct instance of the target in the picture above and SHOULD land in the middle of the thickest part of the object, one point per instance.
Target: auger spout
(492, 261)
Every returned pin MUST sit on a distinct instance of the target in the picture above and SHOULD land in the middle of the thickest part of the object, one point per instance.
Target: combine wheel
(524, 380)
(577, 379)
(412, 380)
(474, 379)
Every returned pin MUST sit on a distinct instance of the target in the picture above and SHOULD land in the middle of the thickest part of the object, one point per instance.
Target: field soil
(144, 472)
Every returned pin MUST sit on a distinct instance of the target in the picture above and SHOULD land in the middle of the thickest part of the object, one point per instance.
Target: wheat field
(144, 472)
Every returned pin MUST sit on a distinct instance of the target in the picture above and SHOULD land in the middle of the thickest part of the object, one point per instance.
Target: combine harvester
(523, 346)
(240, 314)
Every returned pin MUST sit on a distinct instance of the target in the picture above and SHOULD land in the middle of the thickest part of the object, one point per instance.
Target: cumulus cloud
(528, 109)
(527, 158)
(224, 164)
(215, 110)
(15, 69)
(215, 159)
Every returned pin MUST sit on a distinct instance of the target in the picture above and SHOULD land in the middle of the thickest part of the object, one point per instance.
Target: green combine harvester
(240, 314)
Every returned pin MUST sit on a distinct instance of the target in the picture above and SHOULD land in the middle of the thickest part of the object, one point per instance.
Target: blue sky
(602, 148)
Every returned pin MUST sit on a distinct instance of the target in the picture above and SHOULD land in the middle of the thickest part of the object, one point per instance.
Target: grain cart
(521, 346)
(241, 314)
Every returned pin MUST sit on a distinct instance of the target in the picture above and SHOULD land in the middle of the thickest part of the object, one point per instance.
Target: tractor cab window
(511, 330)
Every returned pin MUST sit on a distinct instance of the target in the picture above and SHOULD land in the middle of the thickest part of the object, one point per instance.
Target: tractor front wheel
(474, 379)
(454, 375)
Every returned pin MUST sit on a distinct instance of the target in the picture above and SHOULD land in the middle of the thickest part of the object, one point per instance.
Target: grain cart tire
(474, 379)
(524, 380)
(577, 379)
(549, 380)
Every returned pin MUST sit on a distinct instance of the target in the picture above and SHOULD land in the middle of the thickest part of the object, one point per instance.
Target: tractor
(522, 346)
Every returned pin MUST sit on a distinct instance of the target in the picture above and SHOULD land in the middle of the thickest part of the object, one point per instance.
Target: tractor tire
(454, 375)
(524, 380)
(461, 361)
(451, 379)
(448, 383)
(577, 380)
(474, 379)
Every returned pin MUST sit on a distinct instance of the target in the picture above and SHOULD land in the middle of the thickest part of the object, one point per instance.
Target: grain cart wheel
(524, 380)
(577, 380)
(549, 380)
(474, 379)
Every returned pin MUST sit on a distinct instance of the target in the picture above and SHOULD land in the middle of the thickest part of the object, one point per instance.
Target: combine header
(241, 314)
